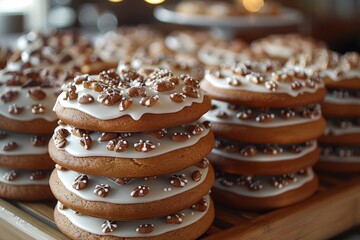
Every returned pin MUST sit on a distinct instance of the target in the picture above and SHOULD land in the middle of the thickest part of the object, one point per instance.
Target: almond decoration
(149, 101)
(38, 175)
(121, 181)
(117, 145)
(178, 180)
(80, 182)
(265, 117)
(109, 96)
(296, 85)
(106, 136)
(200, 206)
(145, 228)
(136, 92)
(70, 93)
(272, 150)
(207, 124)
(163, 85)
(110, 77)
(271, 85)
(109, 226)
(10, 146)
(180, 136)
(10, 175)
(37, 93)
(144, 146)
(204, 163)
(190, 81)
(255, 77)
(78, 132)
(9, 96)
(81, 78)
(221, 114)
(287, 113)
(245, 115)
(157, 133)
(86, 142)
(232, 148)
(125, 104)
(102, 190)
(59, 141)
(140, 191)
(86, 99)
(38, 141)
(15, 109)
(195, 129)
(196, 175)
(295, 149)
(190, 91)
(38, 108)
(62, 132)
(284, 180)
(177, 218)
(178, 97)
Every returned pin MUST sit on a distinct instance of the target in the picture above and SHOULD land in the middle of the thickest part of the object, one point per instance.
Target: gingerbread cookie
(260, 192)
(131, 101)
(24, 185)
(267, 159)
(342, 132)
(116, 153)
(335, 158)
(189, 223)
(125, 198)
(241, 85)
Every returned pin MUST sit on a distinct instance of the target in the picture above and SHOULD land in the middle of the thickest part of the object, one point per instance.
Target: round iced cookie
(24, 185)
(337, 159)
(136, 154)
(130, 101)
(189, 223)
(240, 158)
(342, 103)
(342, 132)
(282, 46)
(132, 198)
(266, 125)
(253, 84)
(338, 71)
(24, 151)
(264, 192)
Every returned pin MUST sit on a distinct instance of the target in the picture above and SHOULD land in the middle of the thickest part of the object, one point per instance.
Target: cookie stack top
(133, 145)
(266, 119)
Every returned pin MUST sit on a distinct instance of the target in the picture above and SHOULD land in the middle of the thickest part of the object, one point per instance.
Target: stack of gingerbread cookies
(266, 120)
(341, 73)
(130, 152)
(26, 122)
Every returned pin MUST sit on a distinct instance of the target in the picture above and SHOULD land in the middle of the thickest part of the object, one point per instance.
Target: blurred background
(334, 21)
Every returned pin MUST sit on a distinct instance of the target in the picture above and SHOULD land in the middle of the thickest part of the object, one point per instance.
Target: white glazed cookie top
(139, 228)
(22, 177)
(128, 92)
(328, 63)
(133, 190)
(128, 145)
(226, 113)
(262, 77)
(283, 46)
(262, 153)
(14, 144)
(263, 186)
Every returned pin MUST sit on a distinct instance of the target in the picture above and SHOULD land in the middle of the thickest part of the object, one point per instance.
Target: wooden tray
(332, 210)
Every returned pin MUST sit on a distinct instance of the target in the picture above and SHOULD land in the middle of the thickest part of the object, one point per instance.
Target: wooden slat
(23, 226)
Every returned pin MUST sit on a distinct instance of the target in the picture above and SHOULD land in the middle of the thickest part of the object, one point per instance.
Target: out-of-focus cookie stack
(130, 152)
(341, 73)
(266, 120)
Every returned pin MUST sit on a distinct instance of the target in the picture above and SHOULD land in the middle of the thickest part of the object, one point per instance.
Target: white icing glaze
(346, 75)
(339, 159)
(213, 56)
(262, 157)
(128, 229)
(120, 194)
(163, 145)
(246, 85)
(24, 145)
(181, 42)
(232, 119)
(338, 131)
(342, 101)
(99, 111)
(26, 101)
(23, 178)
(268, 190)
